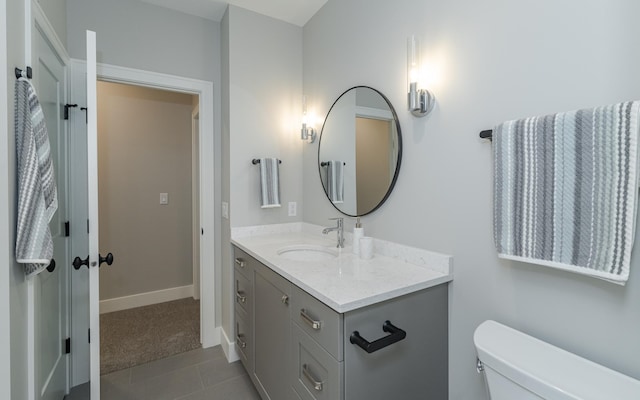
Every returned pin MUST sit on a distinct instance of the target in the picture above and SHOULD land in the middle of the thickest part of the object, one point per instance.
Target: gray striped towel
(269, 183)
(37, 194)
(335, 181)
(566, 190)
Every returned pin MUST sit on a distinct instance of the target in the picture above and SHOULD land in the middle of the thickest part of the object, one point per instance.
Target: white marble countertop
(345, 283)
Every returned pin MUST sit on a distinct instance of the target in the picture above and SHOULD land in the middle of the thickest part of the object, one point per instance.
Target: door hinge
(67, 346)
(89, 335)
(87, 226)
(66, 109)
(67, 228)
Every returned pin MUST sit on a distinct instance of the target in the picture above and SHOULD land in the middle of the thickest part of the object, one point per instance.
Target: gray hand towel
(335, 181)
(37, 193)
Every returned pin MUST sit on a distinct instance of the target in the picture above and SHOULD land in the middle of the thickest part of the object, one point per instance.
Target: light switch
(292, 208)
(164, 198)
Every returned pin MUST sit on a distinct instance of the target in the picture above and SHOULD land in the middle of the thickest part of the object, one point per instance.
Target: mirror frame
(398, 161)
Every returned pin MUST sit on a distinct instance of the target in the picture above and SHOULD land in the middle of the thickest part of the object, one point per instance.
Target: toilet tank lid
(546, 370)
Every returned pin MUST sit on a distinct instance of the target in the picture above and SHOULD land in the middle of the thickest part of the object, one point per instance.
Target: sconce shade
(419, 101)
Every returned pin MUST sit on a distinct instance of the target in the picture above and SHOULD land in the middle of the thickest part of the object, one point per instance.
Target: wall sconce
(420, 101)
(306, 133)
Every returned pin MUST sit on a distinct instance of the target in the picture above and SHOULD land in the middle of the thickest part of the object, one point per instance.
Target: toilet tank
(518, 366)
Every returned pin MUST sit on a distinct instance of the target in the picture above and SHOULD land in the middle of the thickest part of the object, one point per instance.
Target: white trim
(228, 347)
(204, 89)
(374, 113)
(195, 200)
(49, 32)
(145, 299)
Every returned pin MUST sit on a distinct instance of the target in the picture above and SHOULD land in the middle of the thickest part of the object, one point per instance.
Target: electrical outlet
(164, 198)
(292, 208)
(225, 210)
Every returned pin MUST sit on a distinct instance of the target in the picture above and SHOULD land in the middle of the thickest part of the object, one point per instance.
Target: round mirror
(360, 151)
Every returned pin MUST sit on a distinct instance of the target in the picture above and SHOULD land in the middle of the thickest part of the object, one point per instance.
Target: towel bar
(486, 134)
(325, 163)
(257, 161)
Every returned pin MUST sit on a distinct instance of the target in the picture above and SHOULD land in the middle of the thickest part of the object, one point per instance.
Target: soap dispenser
(358, 232)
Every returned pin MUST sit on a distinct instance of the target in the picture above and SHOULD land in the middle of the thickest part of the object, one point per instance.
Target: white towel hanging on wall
(269, 182)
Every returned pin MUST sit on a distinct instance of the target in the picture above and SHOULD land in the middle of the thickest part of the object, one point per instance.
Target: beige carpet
(139, 335)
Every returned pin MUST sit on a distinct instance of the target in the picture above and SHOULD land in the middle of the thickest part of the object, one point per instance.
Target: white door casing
(210, 333)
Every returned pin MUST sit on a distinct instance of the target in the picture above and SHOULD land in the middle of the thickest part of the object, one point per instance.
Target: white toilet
(520, 367)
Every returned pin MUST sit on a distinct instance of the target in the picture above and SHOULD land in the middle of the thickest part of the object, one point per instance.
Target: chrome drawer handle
(310, 321)
(240, 262)
(241, 343)
(316, 384)
(241, 297)
(285, 299)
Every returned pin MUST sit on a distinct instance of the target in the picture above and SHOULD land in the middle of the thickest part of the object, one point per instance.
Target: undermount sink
(307, 252)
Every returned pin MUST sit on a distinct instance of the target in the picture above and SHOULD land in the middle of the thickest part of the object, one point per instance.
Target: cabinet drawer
(317, 375)
(244, 341)
(242, 262)
(243, 293)
(319, 321)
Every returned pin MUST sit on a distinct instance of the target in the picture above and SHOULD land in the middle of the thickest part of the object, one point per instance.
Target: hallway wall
(144, 143)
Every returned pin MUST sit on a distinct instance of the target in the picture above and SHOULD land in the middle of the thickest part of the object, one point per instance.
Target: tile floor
(196, 375)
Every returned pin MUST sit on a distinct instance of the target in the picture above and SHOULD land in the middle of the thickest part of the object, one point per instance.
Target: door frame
(195, 198)
(210, 333)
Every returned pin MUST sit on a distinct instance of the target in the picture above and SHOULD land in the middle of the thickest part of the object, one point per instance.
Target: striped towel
(37, 195)
(269, 183)
(566, 190)
(335, 181)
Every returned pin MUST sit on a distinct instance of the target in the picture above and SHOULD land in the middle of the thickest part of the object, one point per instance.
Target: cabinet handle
(396, 335)
(241, 297)
(241, 343)
(240, 262)
(285, 299)
(317, 385)
(310, 321)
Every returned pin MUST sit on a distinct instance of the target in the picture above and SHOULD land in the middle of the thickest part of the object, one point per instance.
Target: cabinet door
(272, 339)
(413, 368)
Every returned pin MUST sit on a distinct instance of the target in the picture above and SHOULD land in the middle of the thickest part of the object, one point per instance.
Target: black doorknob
(52, 265)
(79, 262)
(108, 259)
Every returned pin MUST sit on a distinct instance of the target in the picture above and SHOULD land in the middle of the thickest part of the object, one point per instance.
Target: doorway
(148, 305)
(210, 333)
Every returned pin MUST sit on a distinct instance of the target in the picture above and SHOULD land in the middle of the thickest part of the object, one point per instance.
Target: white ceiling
(297, 12)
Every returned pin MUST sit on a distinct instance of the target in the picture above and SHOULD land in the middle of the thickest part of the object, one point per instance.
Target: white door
(51, 317)
(92, 185)
(86, 263)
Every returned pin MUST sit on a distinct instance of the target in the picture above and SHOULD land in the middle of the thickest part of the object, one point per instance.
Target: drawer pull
(310, 321)
(240, 262)
(285, 299)
(396, 335)
(317, 385)
(241, 343)
(240, 297)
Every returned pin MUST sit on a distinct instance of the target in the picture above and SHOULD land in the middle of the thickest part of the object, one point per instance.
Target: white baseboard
(228, 347)
(145, 299)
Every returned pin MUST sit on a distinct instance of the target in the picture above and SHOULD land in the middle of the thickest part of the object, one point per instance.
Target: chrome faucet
(339, 228)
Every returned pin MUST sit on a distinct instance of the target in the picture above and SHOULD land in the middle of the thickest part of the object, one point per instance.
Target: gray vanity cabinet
(298, 348)
(272, 334)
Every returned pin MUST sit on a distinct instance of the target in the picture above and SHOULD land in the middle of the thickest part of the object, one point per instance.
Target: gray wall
(144, 143)
(5, 201)
(14, 287)
(495, 60)
(56, 12)
(264, 116)
(139, 35)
